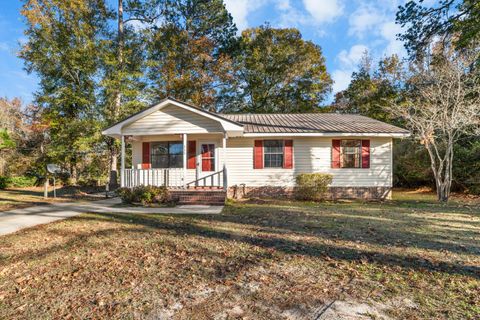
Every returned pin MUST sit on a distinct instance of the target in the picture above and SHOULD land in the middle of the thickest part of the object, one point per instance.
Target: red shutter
(335, 153)
(365, 153)
(192, 154)
(258, 155)
(288, 154)
(146, 155)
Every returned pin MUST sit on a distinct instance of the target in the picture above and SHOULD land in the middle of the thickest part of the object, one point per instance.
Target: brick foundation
(372, 193)
(205, 197)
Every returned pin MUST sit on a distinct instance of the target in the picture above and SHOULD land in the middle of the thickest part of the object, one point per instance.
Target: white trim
(327, 134)
(117, 129)
(216, 160)
(122, 163)
(184, 154)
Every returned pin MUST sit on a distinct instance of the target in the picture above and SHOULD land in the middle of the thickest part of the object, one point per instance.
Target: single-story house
(192, 150)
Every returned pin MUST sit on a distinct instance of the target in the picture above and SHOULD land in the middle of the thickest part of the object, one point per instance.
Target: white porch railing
(214, 180)
(172, 177)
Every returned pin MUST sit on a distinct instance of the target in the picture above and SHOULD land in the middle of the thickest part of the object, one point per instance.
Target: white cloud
(289, 16)
(324, 11)
(364, 19)
(375, 21)
(240, 9)
(283, 5)
(389, 32)
(341, 80)
(351, 58)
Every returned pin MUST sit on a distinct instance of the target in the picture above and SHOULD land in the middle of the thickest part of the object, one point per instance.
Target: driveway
(14, 220)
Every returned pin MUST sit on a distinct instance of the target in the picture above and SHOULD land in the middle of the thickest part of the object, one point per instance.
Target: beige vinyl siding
(172, 120)
(199, 138)
(311, 154)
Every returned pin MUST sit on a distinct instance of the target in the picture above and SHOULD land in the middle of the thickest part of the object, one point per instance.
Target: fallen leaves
(255, 261)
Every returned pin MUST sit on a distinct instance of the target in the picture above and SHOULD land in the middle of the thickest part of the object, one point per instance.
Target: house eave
(330, 134)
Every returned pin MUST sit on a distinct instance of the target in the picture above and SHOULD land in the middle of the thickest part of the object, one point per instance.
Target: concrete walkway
(14, 220)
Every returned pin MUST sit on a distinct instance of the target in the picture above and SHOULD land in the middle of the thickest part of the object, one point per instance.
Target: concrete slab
(14, 220)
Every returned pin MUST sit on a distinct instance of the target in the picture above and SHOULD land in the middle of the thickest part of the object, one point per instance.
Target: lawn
(407, 258)
(15, 198)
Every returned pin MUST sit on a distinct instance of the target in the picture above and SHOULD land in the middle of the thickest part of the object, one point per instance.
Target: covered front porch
(175, 145)
(178, 161)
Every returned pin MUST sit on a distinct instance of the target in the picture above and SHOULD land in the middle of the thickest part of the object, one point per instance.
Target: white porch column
(122, 163)
(224, 158)
(184, 160)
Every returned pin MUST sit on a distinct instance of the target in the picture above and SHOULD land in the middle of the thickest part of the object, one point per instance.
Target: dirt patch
(350, 310)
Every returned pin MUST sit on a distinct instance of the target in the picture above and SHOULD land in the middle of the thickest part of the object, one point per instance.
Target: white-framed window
(273, 153)
(166, 154)
(351, 154)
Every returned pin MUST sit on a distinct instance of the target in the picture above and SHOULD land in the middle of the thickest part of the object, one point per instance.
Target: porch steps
(205, 197)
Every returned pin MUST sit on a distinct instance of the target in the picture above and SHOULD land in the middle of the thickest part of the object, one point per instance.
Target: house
(202, 155)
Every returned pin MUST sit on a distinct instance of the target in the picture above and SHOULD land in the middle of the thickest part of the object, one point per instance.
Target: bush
(312, 186)
(17, 182)
(144, 195)
(4, 182)
(22, 182)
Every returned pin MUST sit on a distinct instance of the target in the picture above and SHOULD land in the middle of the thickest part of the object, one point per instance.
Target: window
(351, 154)
(208, 157)
(273, 153)
(166, 154)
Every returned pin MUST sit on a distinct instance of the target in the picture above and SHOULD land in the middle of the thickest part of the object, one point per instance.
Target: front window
(351, 154)
(168, 154)
(273, 153)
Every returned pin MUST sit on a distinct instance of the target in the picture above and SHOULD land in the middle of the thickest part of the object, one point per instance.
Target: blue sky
(343, 28)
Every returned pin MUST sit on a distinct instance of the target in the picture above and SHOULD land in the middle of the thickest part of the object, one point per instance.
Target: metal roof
(311, 123)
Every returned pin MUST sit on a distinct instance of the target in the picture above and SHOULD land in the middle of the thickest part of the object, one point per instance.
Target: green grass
(407, 258)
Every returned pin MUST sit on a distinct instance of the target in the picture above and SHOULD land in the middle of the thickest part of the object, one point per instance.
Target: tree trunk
(442, 171)
(113, 178)
(118, 99)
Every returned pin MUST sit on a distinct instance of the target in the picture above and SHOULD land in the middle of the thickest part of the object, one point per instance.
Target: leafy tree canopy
(277, 71)
(370, 91)
(188, 50)
(444, 20)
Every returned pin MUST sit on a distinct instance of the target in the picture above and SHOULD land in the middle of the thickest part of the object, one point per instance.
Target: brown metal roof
(311, 123)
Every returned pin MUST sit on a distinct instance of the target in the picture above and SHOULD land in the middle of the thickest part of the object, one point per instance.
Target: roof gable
(127, 124)
(172, 120)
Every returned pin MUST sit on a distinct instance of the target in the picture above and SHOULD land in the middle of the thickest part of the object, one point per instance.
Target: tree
(370, 90)
(123, 83)
(64, 50)
(188, 52)
(445, 20)
(6, 141)
(443, 105)
(277, 71)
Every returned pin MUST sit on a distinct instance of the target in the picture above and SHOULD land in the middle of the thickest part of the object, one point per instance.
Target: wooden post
(122, 165)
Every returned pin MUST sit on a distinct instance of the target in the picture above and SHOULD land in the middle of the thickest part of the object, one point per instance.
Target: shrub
(17, 182)
(22, 181)
(125, 194)
(144, 195)
(4, 182)
(312, 186)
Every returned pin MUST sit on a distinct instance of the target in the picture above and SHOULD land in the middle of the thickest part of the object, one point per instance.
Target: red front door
(208, 157)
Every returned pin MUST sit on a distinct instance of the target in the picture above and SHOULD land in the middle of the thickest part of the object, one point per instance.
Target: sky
(344, 29)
